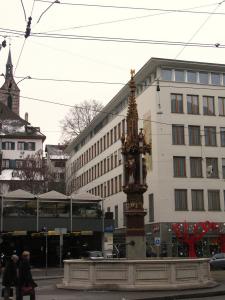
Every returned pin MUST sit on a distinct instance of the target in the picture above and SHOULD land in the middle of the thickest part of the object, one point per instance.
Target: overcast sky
(74, 59)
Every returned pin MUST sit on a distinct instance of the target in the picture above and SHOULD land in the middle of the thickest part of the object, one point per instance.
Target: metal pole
(71, 214)
(2, 213)
(60, 248)
(103, 229)
(46, 253)
(37, 215)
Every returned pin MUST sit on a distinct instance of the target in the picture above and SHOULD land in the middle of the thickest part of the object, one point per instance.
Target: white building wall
(160, 179)
(20, 154)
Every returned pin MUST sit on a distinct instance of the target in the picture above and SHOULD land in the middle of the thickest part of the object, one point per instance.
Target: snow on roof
(7, 174)
(62, 156)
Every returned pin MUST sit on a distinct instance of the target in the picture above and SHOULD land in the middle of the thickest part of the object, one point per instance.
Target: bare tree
(33, 173)
(78, 118)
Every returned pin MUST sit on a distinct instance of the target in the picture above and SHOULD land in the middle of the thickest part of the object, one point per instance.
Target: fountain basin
(148, 274)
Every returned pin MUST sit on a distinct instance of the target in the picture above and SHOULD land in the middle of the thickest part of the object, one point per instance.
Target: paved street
(47, 290)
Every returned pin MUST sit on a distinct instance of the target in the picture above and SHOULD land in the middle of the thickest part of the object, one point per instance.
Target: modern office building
(181, 107)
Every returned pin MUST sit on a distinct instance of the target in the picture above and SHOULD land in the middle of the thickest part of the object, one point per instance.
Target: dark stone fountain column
(133, 149)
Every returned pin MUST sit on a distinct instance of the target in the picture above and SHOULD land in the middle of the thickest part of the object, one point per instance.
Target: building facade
(56, 164)
(69, 224)
(19, 141)
(181, 106)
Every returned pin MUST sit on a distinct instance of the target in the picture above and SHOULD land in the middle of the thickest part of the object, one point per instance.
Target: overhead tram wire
(114, 39)
(27, 34)
(199, 28)
(117, 21)
(96, 110)
(25, 16)
(121, 83)
(138, 8)
(125, 40)
(56, 1)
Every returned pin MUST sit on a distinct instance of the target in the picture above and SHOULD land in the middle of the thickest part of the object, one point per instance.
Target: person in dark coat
(25, 278)
(10, 275)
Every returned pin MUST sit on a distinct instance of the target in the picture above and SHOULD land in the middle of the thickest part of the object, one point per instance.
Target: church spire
(9, 92)
(9, 66)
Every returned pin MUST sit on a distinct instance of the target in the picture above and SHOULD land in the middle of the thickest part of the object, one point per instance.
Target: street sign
(157, 241)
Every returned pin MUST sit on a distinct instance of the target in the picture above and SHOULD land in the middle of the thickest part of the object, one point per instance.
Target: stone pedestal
(136, 247)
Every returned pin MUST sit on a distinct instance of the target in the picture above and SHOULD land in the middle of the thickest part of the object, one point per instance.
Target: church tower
(9, 92)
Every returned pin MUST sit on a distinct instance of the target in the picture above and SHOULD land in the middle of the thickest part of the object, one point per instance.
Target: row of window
(195, 135)
(212, 171)
(20, 146)
(181, 202)
(101, 145)
(20, 163)
(108, 188)
(101, 168)
(197, 200)
(191, 76)
(193, 105)
(51, 209)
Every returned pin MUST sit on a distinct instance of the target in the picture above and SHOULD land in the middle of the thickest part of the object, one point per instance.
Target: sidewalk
(49, 273)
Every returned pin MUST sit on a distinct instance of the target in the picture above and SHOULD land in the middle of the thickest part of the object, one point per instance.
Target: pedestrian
(10, 276)
(26, 284)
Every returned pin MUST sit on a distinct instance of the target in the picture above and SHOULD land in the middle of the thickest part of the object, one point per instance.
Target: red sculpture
(191, 233)
(222, 243)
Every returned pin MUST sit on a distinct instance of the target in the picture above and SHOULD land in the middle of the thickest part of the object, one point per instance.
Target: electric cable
(118, 39)
(138, 8)
(94, 110)
(154, 84)
(127, 40)
(25, 16)
(56, 1)
(21, 51)
(115, 21)
(26, 35)
(198, 30)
